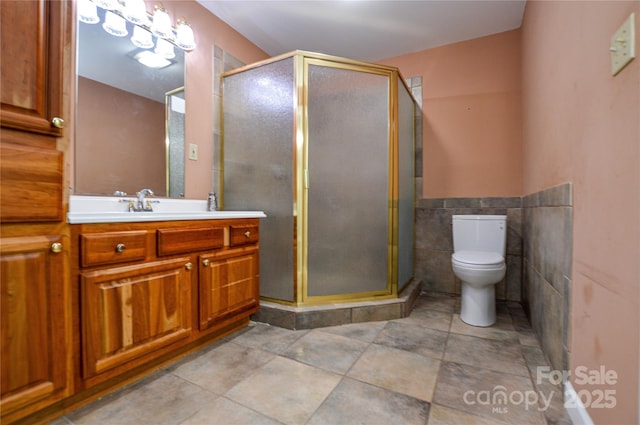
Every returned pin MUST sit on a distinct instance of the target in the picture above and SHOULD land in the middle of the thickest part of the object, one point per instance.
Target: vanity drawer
(112, 247)
(179, 241)
(240, 235)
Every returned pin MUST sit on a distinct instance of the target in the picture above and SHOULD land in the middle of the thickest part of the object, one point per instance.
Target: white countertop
(106, 209)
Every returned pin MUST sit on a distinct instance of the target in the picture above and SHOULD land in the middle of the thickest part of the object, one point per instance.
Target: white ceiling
(367, 30)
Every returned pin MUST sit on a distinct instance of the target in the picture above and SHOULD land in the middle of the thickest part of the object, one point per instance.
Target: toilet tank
(480, 233)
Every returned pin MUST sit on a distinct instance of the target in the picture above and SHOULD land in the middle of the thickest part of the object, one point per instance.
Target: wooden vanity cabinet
(131, 311)
(228, 284)
(148, 291)
(35, 318)
(34, 35)
(33, 368)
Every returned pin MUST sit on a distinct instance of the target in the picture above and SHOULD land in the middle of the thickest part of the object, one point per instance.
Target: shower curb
(319, 316)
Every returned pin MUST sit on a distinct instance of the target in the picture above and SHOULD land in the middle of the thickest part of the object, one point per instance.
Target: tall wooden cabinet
(34, 313)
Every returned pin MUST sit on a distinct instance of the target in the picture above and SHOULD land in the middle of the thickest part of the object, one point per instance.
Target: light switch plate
(623, 45)
(193, 151)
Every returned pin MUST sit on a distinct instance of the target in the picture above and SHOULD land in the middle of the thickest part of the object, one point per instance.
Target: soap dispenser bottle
(212, 202)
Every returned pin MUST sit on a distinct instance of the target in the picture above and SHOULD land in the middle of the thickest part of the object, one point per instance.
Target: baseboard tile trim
(576, 410)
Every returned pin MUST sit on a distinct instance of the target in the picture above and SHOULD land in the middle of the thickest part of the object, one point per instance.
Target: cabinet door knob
(56, 247)
(247, 233)
(205, 263)
(120, 247)
(188, 266)
(57, 122)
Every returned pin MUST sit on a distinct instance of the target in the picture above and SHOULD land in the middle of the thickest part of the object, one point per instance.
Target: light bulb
(115, 25)
(141, 38)
(88, 12)
(107, 4)
(184, 36)
(164, 49)
(135, 11)
(161, 25)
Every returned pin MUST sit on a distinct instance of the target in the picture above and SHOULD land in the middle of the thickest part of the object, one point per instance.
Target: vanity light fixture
(118, 12)
(115, 25)
(135, 11)
(184, 35)
(141, 38)
(107, 4)
(88, 12)
(164, 49)
(161, 26)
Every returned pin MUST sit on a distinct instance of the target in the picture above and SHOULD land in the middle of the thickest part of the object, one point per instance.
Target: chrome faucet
(142, 205)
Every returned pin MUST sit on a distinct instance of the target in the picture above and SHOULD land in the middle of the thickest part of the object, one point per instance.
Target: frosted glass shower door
(258, 165)
(348, 160)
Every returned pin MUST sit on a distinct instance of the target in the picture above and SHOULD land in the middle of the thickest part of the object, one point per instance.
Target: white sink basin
(104, 209)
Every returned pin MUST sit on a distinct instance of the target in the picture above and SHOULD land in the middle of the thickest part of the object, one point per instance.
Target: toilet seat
(477, 259)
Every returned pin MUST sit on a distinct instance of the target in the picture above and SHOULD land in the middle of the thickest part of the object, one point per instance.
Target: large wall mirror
(129, 117)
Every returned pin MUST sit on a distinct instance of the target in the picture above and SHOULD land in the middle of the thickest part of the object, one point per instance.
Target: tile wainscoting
(548, 236)
(539, 246)
(434, 242)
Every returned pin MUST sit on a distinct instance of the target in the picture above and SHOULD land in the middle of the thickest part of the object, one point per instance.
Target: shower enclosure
(325, 147)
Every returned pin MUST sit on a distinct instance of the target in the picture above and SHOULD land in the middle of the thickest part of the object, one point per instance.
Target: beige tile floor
(429, 368)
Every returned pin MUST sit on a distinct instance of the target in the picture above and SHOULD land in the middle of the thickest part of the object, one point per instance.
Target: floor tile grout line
(325, 399)
(252, 409)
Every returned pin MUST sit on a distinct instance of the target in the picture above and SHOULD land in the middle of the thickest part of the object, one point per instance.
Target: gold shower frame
(301, 61)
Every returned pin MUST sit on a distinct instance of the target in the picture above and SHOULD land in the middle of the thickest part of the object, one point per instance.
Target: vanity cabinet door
(129, 312)
(32, 318)
(228, 285)
(33, 36)
(32, 54)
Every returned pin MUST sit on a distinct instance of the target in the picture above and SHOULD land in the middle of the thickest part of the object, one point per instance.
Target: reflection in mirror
(121, 140)
(175, 106)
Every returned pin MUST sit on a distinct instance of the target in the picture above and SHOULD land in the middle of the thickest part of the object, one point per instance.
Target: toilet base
(478, 305)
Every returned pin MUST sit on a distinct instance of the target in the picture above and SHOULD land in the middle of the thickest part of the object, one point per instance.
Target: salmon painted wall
(471, 90)
(119, 149)
(209, 30)
(582, 125)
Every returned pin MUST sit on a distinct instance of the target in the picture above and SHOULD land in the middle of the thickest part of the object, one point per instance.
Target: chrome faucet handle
(144, 192)
(141, 201)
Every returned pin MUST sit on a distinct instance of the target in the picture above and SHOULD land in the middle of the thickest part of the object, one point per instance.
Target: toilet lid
(478, 257)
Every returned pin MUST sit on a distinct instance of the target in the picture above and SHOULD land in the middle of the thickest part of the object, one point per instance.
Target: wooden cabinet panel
(243, 234)
(33, 35)
(112, 247)
(228, 285)
(31, 184)
(131, 311)
(32, 319)
(180, 241)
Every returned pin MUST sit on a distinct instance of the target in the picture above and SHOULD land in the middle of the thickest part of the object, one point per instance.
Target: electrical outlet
(622, 47)
(193, 151)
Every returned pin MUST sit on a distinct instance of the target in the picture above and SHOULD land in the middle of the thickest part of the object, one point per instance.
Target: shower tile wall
(548, 231)
(415, 84)
(434, 242)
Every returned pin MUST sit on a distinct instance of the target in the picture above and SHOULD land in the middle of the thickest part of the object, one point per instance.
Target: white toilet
(478, 260)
